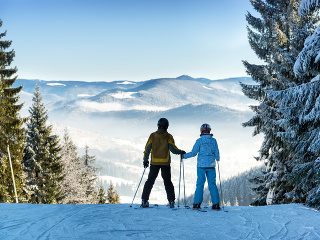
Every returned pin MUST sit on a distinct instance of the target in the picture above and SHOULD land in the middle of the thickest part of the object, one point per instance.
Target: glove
(181, 154)
(146, 164)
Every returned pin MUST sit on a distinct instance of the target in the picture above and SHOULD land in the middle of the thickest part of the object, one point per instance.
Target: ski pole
(220, 186)
(14, 184)
(179, 181)
(138, 186)
(184, 185)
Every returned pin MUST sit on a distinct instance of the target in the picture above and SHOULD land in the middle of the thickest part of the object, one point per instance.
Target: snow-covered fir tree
(277, 38)
(11, 126)
(74, 191)
(42, 160)
(79, 185)
(112, 195)
(90, 176)
(301, 121)
(300, 111)
(102, 199)
(308, 59)
(307, 6)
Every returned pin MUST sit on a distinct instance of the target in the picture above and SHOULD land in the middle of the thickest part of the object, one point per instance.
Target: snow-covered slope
(27, 221)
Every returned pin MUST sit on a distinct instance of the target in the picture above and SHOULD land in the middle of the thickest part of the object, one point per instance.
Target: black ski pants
(153, 174)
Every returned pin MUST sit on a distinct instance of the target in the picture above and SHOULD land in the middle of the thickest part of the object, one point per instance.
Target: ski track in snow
(31, 221)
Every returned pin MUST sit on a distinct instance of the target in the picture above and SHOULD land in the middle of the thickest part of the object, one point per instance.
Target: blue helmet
(205, 127)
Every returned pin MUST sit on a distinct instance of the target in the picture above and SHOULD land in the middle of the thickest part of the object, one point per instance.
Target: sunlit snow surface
(123, 95)
(126, 83)
(56, 84)
(28, 221)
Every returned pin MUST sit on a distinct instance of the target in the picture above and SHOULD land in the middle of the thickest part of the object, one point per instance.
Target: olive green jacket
(160, 143)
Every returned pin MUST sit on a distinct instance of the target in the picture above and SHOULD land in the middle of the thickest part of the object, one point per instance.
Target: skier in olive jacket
(206, 148)
(160, 143)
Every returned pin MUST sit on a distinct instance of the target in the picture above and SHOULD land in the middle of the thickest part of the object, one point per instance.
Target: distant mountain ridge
(71, 89)
(93, 88)
(152, 95)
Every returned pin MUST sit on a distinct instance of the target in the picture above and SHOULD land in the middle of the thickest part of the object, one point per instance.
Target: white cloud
(150, 108)
(84, 95)
(107, 107)
(100, 107)
(56, 84)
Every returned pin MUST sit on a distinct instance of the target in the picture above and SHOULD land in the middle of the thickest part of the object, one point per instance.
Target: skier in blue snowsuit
(206, 148)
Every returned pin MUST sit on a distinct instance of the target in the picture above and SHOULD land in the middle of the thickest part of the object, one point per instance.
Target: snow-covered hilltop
(164, 93)
(33, 221)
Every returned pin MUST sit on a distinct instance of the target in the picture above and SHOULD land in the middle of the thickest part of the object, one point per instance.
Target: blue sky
(104, 40)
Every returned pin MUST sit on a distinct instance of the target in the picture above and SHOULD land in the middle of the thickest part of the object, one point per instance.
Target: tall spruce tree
(42, 158)
(112, 195)
(90, 176)
(301, 121)
(79, 185)
(277, 38)
(11, 126)
(102, 199)
(300, 108)
(74, 190)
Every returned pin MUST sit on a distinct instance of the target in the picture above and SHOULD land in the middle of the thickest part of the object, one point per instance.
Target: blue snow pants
(210, 174)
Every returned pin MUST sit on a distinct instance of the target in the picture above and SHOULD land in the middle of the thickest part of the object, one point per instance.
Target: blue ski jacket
(207, 149)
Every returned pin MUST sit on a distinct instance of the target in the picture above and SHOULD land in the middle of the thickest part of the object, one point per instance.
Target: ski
(174, 208)
(195, 209)
(153, 206)
(143, 207)
(220, 210)
(199, 209)
(217, 210)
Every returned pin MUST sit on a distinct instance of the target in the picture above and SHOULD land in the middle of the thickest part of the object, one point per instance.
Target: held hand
(181, 155)
(146, 164)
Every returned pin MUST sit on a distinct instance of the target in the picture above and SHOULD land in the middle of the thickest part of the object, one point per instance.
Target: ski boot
(216, 207)
(196, 206)
(171, 204)
(144, 204)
